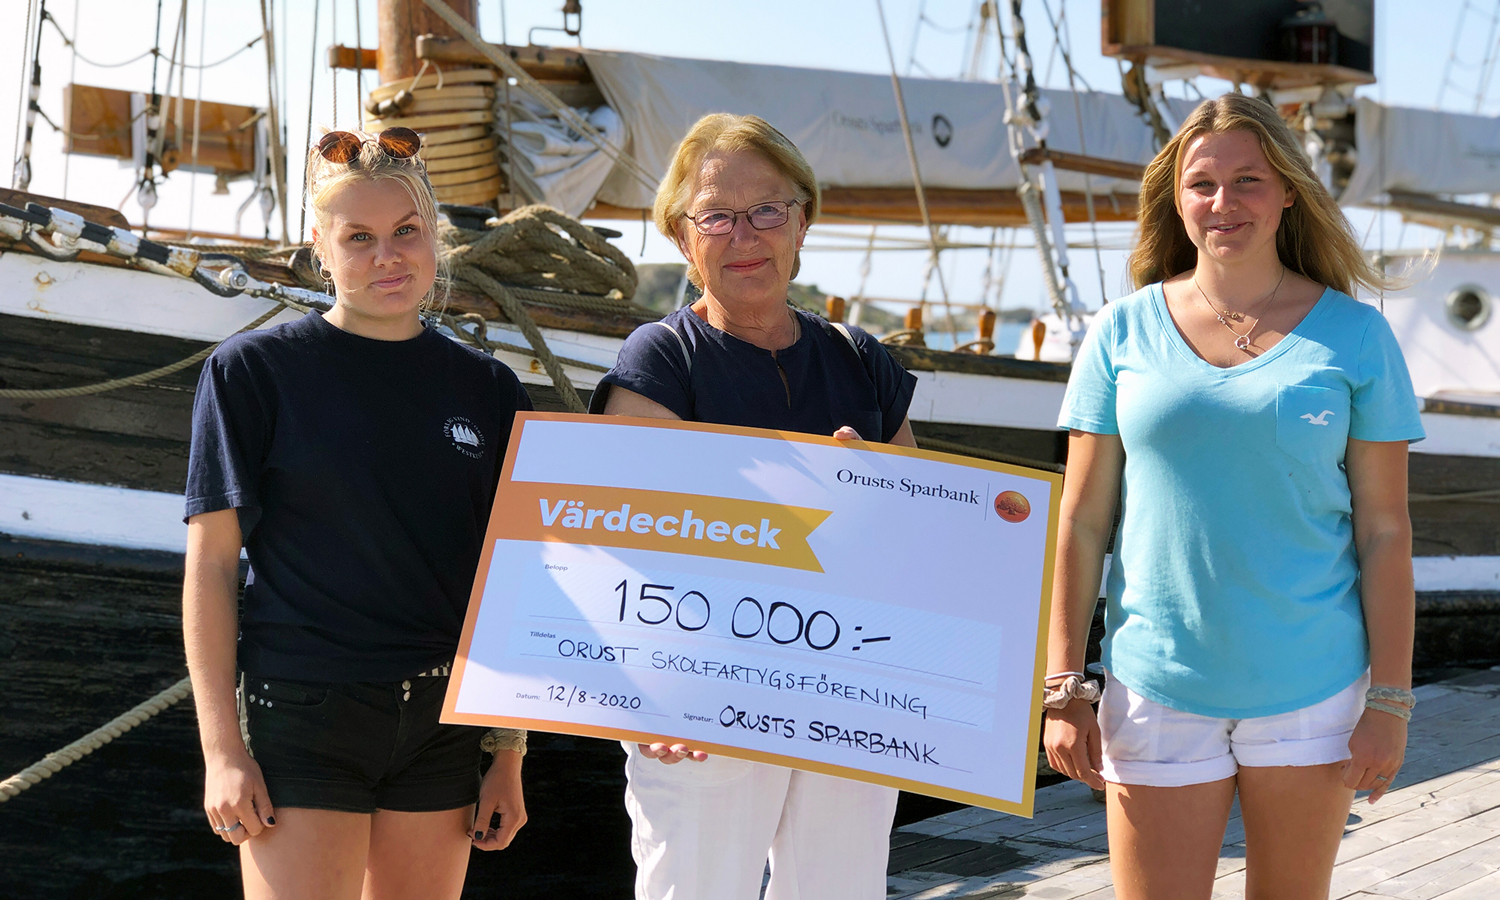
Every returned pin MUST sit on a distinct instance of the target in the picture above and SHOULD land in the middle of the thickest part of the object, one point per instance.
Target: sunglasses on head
(343, 146)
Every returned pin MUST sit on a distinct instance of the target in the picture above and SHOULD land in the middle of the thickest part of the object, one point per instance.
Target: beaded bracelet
(498, 739)
(1074, 688)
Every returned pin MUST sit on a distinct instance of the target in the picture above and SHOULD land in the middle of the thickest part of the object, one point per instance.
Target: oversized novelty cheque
(856, 609)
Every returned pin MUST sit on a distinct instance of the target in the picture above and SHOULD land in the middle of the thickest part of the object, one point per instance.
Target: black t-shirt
(363, 473)
(732, 382)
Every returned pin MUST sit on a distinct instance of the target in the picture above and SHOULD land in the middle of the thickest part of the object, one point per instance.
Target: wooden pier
(1435, 836)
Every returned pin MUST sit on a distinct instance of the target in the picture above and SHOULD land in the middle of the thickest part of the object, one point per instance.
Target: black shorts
(359, 747)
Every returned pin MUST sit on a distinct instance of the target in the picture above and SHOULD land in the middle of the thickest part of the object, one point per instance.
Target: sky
(1428, 53)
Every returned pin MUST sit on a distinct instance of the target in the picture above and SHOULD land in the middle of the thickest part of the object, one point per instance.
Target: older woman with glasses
(737, 201)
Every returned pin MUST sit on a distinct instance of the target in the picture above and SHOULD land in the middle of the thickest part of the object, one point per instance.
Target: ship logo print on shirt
(465, 436)
(1319, 419)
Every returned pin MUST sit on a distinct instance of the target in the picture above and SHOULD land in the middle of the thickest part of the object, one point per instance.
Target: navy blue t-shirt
(363, 473)
(827, 383)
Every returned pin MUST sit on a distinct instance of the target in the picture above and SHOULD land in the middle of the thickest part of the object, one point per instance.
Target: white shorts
(1150, 744)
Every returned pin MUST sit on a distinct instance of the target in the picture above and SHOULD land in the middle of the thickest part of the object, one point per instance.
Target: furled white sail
(847, 123)
(1422, 150)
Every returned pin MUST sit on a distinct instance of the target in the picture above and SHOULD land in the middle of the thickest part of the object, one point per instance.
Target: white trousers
(703, 831)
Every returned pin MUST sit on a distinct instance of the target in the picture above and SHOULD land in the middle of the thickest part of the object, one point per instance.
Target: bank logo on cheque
(1012, 506)
(465, 436)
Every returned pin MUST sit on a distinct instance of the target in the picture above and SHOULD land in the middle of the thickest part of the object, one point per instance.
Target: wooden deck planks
(1436, 836)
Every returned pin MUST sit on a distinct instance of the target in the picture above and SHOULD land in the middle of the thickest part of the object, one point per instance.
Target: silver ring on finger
(1381, 778)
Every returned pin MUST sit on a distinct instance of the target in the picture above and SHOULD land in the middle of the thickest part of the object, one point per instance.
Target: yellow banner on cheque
(718, 527)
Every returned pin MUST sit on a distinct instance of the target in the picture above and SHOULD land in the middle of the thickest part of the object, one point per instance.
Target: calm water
(1007, 336)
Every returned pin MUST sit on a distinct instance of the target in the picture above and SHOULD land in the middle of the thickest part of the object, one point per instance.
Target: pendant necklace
(1241, 341)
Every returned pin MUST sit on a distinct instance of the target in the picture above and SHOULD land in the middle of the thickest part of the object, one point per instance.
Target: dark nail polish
(478, 835)
(270, 820)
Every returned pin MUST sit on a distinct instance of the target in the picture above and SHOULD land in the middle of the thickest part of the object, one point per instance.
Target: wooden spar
(401, 21)
(341, 57)
(1443, 212)
(541, 63)
(1077, 162)
(948, 206)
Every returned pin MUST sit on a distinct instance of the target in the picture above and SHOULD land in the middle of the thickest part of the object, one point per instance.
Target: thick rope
(475, 278)
(531, 248)
(471, 328)
(131, 380)
(537, 246)
(57, 760)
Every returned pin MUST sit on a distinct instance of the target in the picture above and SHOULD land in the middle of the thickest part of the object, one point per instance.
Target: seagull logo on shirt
(465, 435)
(1319, 419)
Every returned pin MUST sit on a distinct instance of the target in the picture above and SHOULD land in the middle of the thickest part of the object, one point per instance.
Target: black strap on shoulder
(829, 328)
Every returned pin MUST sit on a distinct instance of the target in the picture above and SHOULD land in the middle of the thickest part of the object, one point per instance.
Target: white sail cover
(847, 125)
(1422, 150)
(553, 163)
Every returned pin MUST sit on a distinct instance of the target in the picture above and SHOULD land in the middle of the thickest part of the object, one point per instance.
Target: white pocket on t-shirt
(1312, 423)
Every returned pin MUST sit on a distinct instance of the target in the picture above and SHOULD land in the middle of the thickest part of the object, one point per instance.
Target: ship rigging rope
(1059, 35)
(916, 174)
(132, 380)
(57, 760)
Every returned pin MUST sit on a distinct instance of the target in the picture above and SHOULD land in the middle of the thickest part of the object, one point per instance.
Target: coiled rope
(57, 760)
(131, 380)
(538, 247)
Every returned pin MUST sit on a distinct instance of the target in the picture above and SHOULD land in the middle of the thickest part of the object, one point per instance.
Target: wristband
(1074, 688)
(1399, 712)
(497, 739)
(1390, 693)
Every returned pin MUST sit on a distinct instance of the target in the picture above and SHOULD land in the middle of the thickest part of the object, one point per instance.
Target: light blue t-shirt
(1234, 590)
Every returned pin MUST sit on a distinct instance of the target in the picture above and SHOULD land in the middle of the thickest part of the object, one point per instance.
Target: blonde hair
(1314, 238)
(325, 177)
(730, 134)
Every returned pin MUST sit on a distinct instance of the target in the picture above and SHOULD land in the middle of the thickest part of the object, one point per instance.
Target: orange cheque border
(1023, 808)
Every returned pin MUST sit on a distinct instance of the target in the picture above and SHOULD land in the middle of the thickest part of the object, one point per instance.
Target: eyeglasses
(771, 214)
(343, 146)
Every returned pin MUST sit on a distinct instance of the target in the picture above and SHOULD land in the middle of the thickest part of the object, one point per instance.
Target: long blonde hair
(1314, 239)
(732, 134)
(325, 177)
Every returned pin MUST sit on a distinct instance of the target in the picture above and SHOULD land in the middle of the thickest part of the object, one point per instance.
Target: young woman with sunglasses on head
(354, 456)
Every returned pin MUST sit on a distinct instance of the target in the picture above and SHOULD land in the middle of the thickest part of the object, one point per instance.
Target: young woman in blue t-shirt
(354, 456)
(1251, 419)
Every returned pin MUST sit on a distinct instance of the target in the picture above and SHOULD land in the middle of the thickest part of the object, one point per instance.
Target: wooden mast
(401, 21)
